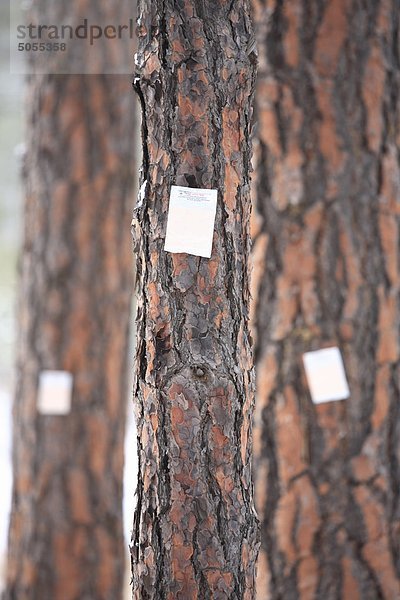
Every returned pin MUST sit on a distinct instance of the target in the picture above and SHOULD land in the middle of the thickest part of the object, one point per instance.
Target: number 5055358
(41, 47)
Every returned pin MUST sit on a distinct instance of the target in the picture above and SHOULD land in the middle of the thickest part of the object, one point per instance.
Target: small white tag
(142, 194)
(191, 218)
(326, 375)
(55, 391)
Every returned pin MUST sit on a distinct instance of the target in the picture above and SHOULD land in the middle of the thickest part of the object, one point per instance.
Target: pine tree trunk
(66, 538)
(327, 273)
(195, 531)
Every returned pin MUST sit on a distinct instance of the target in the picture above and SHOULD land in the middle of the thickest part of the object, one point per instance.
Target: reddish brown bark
(326, 254)
(66, 539)
(195, 533)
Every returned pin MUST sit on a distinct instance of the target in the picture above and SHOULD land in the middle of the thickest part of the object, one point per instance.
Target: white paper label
(326, 375)
(191, 218)
(55, 391)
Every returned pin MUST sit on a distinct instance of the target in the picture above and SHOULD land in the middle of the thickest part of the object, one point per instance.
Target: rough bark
(326, 272)
(66, 538)
(195, 531)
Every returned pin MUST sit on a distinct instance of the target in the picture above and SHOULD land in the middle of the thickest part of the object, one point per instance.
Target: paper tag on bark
(191, 218)
(326, 375)
(55, 391)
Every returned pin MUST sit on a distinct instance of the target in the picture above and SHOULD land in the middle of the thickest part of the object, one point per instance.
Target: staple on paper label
(55, 391)
(191, 218)
(326, 376)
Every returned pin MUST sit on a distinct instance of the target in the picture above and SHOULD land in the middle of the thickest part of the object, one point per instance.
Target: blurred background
(12, 150)
(12, 144)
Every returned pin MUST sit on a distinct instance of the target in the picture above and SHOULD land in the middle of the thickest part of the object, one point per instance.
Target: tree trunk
(327, 273)
(195, 531)
(66, 538)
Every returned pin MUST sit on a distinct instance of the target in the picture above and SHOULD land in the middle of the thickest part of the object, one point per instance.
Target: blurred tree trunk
(66, 538)
(327, 272)
(195, 531)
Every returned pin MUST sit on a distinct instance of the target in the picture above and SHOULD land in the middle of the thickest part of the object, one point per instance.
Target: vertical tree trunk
(66, 539)
(195, 532)
(327, 273)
